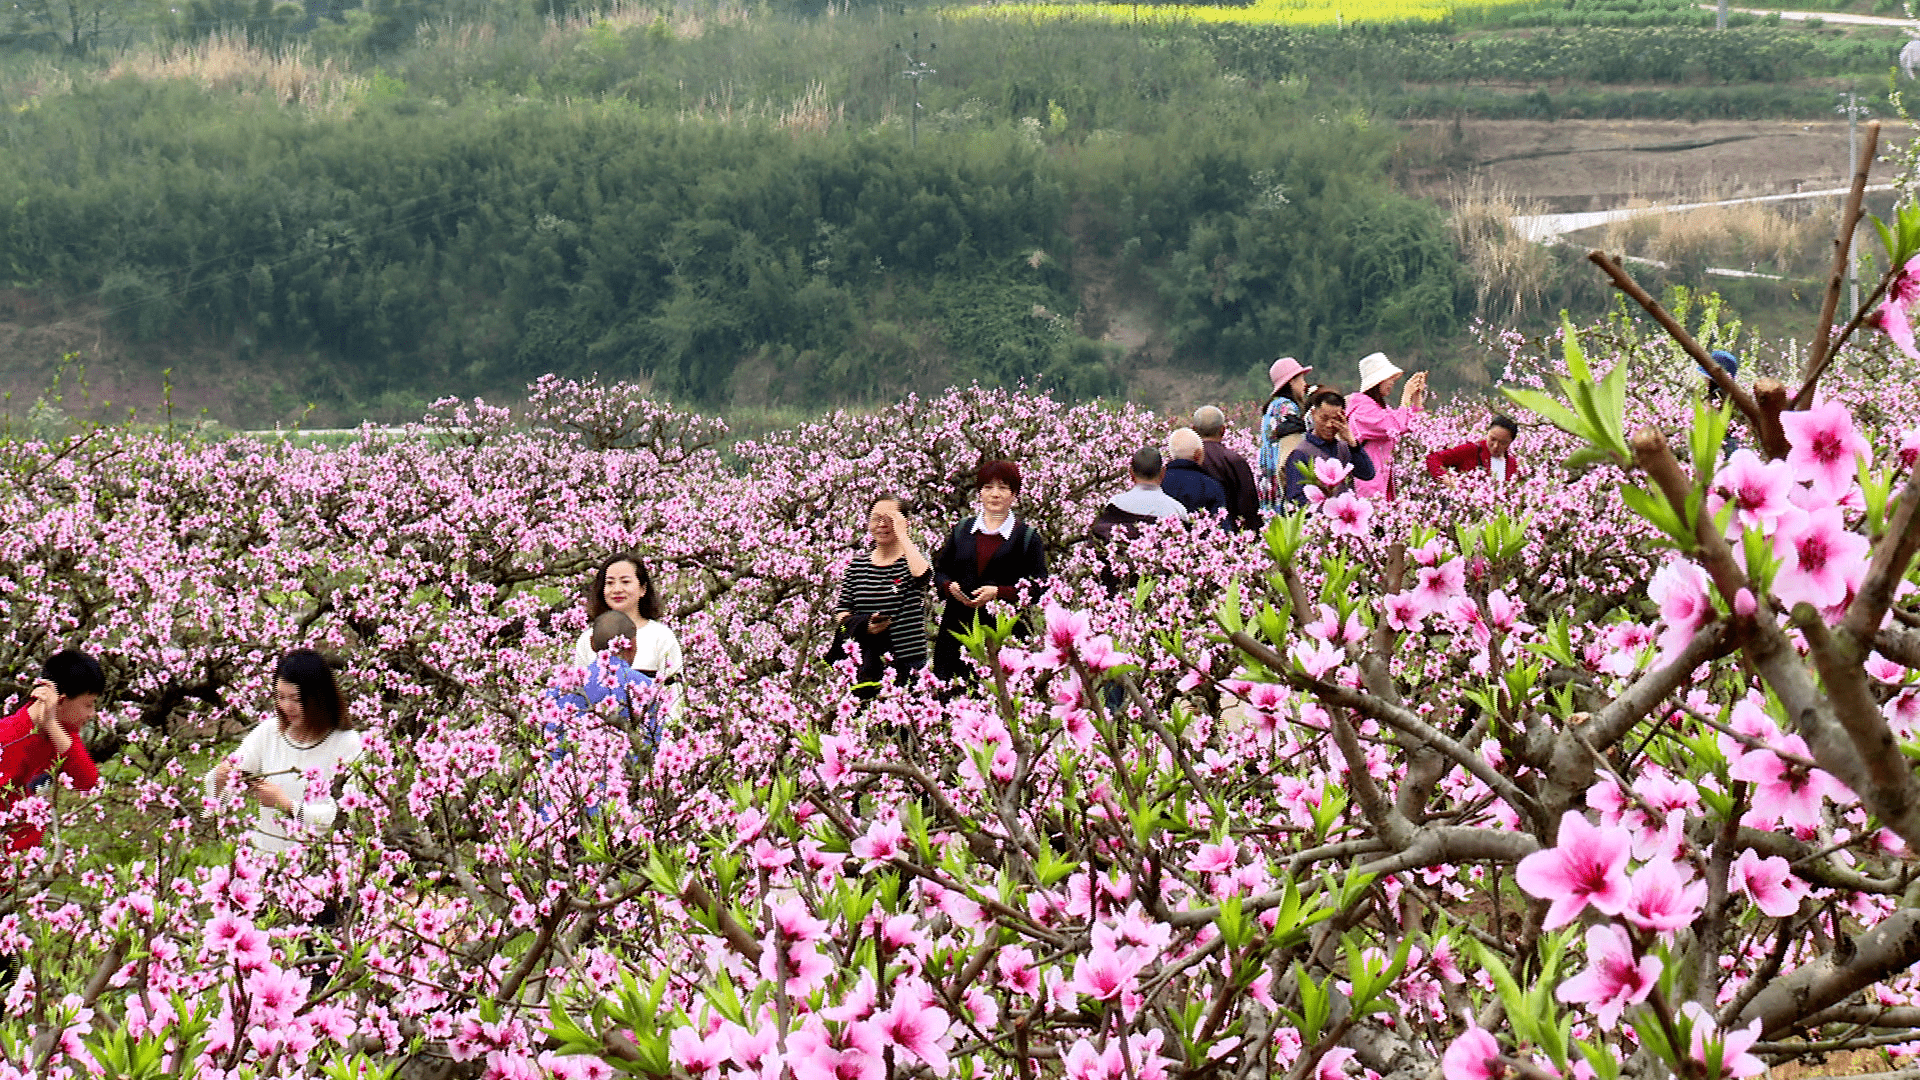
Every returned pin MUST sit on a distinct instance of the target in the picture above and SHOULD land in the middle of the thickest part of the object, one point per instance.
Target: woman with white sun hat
(1378, 427)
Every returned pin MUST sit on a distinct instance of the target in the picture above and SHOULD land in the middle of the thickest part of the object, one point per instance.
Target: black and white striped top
(893, 590)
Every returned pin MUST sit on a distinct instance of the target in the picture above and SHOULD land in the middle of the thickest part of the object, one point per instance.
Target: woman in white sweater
(307, 736)
(622, 584)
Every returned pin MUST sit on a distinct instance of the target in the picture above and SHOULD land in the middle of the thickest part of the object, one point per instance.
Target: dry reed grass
(813, 112)
(1510, 272)
(37, 79)
(231, 63)
(1776, 238)
(625, 15)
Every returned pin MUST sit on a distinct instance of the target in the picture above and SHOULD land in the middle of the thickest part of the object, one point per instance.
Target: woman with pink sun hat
(1377, 426)
(1281, 429)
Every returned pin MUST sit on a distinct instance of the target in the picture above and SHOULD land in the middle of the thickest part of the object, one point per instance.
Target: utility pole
(1854, 111)
(916, 71)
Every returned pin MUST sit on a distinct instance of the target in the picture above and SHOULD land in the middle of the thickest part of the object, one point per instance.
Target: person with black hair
(1492, 455)
(1141, 503)
(1147, 501)
(43, 737)
(308, 734)
(622, 583)
(988, 556)
(1329, 438)
(882, 606)
(612, 676)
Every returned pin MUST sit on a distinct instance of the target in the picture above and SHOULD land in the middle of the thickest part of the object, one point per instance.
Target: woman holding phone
(883, 600)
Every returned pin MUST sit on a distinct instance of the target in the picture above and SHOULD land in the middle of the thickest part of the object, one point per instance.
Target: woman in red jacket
(43, 738)
(1492, 455)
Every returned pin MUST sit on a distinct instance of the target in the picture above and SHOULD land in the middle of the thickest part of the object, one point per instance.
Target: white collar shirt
(1004, 532)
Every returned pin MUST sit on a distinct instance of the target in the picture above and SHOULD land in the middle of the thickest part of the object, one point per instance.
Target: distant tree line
(480, 245)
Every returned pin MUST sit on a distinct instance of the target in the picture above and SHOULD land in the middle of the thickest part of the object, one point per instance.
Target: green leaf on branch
(1875, 486)
(1235, 928)
(1230, 617)
(1333, 803)
(1316, 1006)
(1658, 512)
(1555, 643)
(1762, 564)
(1051, 868)
(1595, 411)
(1551, 410)
(1370, 977)
(1708, 435)
(1284, 535)
(1605, 1066)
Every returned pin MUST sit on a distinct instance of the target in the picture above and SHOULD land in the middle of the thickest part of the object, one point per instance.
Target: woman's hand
(222, 773)
(1414, 394)
(271, 796)
(984, 595)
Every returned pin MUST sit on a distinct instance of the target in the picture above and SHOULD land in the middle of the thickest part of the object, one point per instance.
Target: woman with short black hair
(307, 735)
(988, 556)
(1492, 455)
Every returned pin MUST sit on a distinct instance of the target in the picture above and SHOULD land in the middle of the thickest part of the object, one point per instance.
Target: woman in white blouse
(622, 584)
(292, 763)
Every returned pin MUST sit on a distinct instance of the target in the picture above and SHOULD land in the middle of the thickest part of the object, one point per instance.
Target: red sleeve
(16, 738)
(80, 766)
(1462, 458)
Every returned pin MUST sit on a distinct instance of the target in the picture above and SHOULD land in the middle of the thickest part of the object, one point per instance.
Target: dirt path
(1549, 227)
(1571, 166)
(1836, 17)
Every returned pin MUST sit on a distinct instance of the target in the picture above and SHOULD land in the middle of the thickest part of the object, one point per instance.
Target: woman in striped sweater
(883, 601)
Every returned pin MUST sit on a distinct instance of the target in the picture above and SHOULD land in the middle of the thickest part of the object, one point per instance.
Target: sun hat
(1284, 369)
(1375, 369)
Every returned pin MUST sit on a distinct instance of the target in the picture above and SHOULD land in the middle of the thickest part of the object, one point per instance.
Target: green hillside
(374, 211)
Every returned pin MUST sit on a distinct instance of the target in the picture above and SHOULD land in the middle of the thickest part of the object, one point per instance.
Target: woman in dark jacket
(989, 556)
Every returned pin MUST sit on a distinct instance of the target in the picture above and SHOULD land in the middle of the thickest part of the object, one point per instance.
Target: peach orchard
(1605, 774)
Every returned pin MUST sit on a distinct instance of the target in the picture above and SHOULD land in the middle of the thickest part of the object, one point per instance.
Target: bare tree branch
(1612, 723)
(1401, 719)
(1736, 393)
(1891, 558)
(1436, 845)
(1396, 830)
(1892, 792)
(1823, 347)
(1890, 947)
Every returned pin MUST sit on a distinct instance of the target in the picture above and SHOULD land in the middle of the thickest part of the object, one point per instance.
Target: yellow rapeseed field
(1296, 12)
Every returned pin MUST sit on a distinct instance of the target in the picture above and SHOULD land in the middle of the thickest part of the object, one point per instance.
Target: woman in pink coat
(1377, 427)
